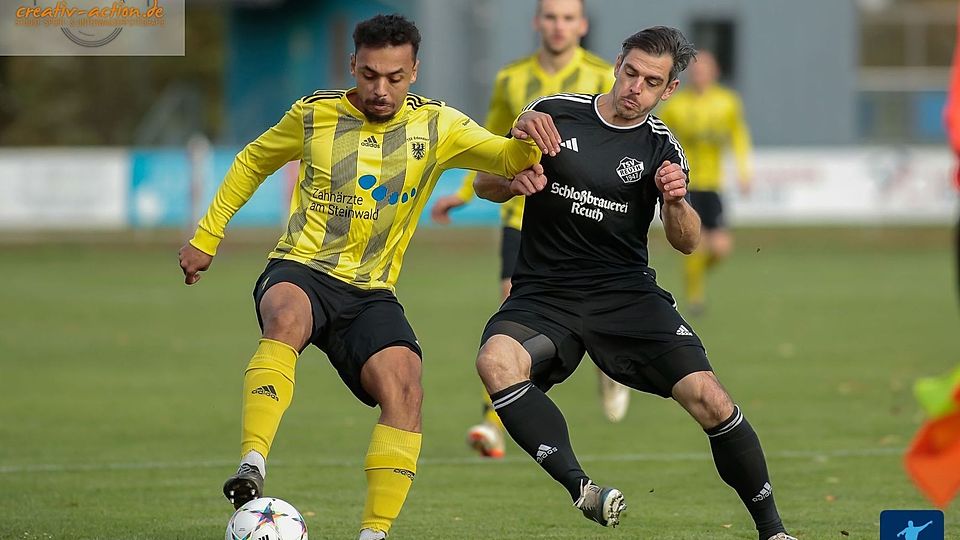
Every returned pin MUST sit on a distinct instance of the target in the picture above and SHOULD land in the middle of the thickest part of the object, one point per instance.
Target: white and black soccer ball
(266, 518)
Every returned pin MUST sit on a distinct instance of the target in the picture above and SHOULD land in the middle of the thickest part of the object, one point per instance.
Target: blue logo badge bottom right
(911, 525)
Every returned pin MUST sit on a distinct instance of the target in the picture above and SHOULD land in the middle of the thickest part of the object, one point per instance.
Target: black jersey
(589, 224)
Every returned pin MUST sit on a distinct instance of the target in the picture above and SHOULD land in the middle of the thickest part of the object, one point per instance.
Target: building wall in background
(794, 62)
(279, 53)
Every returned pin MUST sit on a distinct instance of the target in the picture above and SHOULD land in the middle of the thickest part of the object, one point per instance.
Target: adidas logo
(571, 144)
(683, 331)
(404, 472)
(544, 451)
(764, 493)
(267, 390)
(370, 142)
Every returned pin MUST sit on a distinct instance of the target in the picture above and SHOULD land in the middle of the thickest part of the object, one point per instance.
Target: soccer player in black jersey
(582, 282)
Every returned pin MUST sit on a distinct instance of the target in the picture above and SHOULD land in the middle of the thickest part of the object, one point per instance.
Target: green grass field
(121, 392)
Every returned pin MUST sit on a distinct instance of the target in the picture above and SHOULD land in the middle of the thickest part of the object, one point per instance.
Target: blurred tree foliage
(98, 100)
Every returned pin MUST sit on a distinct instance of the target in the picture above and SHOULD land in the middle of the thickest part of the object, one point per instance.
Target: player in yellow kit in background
(559, 65)
(369, 159)
(707, 118)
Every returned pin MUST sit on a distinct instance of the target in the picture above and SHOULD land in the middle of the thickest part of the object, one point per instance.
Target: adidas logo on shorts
(267, 390)
(544, 451)
(684, 331)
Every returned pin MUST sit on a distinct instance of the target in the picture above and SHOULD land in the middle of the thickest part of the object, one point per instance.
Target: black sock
(538, 426)
(740, 462)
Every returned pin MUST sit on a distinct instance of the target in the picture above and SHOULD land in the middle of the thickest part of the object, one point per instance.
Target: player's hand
(538, 126)
(671, 181)
(529, 181)
(440, 213)
(192, 262)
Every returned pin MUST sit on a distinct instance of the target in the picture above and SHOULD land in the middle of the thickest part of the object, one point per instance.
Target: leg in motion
(735, 446)
(392, 378)
(268, 384)
(536, 423)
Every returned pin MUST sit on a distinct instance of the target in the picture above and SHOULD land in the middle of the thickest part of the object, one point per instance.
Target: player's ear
(671, 88)
(584, 26)
(416, 68)
(617, 64)
(353, 64)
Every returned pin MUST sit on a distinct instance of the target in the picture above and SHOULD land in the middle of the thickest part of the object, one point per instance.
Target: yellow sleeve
(258, 160)
(499, 121)
(464, 144)
(740, 140)
(465, 193)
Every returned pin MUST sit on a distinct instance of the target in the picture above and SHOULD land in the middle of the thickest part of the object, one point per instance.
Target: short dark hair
(660, 40)
(383, 30)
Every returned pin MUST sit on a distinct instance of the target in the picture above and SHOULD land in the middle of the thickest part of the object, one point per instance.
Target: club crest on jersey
(630, 170)
(418, 149)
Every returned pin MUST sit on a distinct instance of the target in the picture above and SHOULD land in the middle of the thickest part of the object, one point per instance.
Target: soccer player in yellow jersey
(559, 65)
(707, 119)
(369, 158)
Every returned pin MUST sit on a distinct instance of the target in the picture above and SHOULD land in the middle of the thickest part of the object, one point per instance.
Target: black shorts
(636, 337)
(509, 251)
(349, 324)
(710, 207)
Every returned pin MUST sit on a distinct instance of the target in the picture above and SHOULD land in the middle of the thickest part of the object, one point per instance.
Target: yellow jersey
(524, 80)
(707, 124)
(361, 185)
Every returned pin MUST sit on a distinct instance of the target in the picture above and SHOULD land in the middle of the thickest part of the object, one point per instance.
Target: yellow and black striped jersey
(524, 80)
(706, 124)
(362, 185)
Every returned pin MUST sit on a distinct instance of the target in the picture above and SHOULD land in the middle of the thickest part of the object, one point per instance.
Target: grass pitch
(121, 393)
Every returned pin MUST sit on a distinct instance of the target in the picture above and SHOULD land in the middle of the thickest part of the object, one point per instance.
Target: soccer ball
(266, 518)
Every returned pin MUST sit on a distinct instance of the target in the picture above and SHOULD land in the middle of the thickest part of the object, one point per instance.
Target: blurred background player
(707, 118)
(559, 65)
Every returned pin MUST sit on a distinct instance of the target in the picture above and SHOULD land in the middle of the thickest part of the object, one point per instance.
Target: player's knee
(286, 314)
(392, 377)
(722, 245)
(702, 395)
(500, 364)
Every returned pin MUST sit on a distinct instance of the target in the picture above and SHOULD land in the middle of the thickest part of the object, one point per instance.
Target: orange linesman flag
(933, 459)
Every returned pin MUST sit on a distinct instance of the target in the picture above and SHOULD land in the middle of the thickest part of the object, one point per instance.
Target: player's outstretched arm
(680, 221)
(258, 160)
(498, 189)
(440, 213)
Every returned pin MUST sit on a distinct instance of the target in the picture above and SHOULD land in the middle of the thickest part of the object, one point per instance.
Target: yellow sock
(490, 415)
(391, 465)
(267, 392)
(695, 270)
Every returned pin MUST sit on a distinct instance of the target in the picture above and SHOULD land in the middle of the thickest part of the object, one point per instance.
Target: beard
(377, 117)
(627, 113)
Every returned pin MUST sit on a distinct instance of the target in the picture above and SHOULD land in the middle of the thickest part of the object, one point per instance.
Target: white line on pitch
(613, 458)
